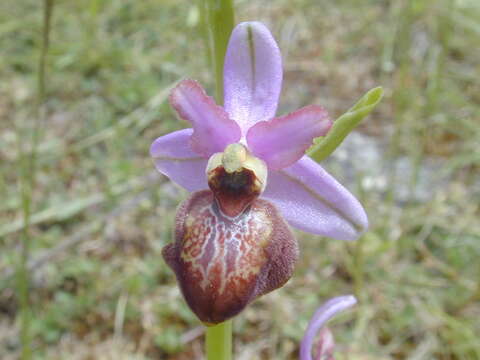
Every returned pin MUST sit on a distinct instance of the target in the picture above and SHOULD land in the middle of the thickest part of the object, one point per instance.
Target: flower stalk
(219, 20)
(219, 341)
(27, 180)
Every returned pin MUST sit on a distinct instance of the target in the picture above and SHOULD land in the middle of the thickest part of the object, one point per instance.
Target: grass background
(100, 214)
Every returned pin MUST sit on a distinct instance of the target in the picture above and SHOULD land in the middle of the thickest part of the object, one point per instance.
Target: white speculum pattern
(225, 250)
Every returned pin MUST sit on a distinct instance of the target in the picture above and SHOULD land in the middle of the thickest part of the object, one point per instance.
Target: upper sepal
(252, 74)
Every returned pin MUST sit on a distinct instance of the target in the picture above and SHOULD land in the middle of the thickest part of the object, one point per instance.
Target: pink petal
(321, 316)
(174, 158)
(252, 74)
(283, 140)
(213, 130)
(312, 200)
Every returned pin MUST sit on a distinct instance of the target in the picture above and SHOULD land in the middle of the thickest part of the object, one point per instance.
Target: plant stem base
(219, 341)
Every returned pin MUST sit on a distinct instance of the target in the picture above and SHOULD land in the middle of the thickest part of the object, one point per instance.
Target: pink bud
(325, 345)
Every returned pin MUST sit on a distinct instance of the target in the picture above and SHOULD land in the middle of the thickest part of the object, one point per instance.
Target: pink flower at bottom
(326, 344)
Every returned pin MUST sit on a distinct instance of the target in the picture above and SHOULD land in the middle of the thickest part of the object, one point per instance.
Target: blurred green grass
(101, 215)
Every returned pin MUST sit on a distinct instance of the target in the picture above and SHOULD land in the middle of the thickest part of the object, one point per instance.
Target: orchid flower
(249, 176)
(326, 344)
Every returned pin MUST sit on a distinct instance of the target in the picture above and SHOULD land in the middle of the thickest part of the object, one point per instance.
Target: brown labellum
(223, 262)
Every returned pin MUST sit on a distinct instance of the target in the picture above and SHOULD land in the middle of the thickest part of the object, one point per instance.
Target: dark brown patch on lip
(223, 264)
(233, 191)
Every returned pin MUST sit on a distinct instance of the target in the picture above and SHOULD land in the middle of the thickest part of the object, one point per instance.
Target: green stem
(219, 19)
(27, 185)
(358, 252)
(358, 274)
(219, 341)
(218, 16)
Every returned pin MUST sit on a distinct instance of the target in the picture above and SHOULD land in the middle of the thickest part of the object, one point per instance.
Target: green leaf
(323, 147)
